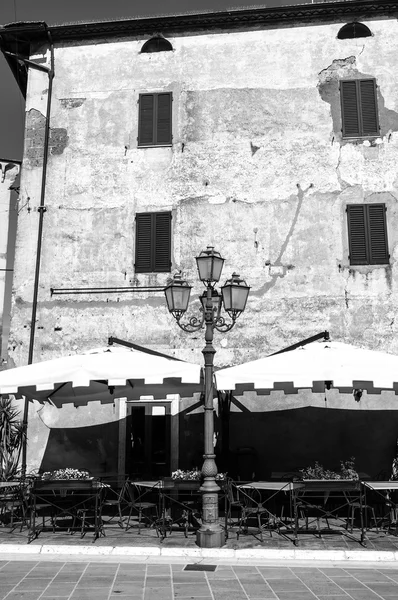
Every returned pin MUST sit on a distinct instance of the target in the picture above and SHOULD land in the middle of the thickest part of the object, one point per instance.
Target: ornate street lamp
(234, 296)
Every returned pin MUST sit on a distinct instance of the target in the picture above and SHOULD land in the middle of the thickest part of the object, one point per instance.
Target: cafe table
(77, 501)
(270, 490)
(327, 498)
(386, 490)
(176, 500)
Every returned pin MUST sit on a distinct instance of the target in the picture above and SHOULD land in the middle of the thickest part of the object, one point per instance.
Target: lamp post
(234, 296)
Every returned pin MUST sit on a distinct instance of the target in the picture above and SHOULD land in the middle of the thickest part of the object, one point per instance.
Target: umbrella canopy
(102, 374)
(338, 365)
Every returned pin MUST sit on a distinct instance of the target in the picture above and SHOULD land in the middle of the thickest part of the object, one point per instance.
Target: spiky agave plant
(11, 439)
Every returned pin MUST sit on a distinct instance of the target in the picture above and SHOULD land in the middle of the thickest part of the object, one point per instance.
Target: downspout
(42, 210)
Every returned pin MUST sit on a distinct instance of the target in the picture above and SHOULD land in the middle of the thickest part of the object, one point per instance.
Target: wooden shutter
(162, 242)
(163, 125)
(143, 243)
(367, 233)
(349, 108)
(154, 122)
(358, 246)
(378, 244)
(146, 120)
(370, 124)
(153, 242)
(359, 108)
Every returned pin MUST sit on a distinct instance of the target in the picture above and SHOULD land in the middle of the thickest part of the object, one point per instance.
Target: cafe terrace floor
(333, 545)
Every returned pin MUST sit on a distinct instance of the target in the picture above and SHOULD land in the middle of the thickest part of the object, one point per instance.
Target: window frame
(366, 236)
(360, 108)
(153, 262)
(155, 120)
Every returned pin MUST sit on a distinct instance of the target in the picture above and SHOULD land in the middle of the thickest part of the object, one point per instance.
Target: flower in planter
(347, 471)
(181, 475)
(67, 473)
(194, 475)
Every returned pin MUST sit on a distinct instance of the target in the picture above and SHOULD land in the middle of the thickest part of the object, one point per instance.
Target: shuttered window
(359, 108)
(153, 242)
(367, 234)
(154, 122)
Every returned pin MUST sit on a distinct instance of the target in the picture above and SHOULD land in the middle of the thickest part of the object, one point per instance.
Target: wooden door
(148, 440)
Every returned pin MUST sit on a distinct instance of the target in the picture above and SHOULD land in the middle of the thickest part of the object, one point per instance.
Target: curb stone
(219, 553)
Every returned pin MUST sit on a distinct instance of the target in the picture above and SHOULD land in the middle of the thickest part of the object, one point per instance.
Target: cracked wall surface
(328, 87)
(257, 168)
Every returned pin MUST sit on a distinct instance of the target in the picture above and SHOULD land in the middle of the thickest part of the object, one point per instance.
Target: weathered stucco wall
(9, 172)
(257, 168)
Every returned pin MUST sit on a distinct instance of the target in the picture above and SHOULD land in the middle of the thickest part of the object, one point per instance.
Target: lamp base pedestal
(210, 538)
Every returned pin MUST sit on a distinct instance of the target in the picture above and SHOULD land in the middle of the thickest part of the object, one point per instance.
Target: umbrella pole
(24, 438)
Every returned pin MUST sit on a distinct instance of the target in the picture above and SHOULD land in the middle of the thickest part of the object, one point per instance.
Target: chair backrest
(232, 492)
(129, 492)
(133, 492)
(250, 496)
(11, 490)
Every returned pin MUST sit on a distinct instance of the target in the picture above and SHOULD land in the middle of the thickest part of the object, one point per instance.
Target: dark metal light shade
(235, 293)
(210, 264)
(216, 301)
(177, 295)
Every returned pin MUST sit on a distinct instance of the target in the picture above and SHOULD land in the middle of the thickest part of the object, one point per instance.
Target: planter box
(188, 484)
(62, 484)
(182, 484)
(331, 484)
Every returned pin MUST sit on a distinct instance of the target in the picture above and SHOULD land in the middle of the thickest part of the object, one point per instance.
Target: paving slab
(171, 581)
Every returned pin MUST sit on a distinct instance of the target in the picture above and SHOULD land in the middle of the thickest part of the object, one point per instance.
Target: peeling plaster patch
(217, 199)
(328, 88)
(58, 140)
(34, 139)
(72, 102)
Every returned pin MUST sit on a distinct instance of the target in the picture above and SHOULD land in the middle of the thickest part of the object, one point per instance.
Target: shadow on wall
(293, 439)
(93, 448)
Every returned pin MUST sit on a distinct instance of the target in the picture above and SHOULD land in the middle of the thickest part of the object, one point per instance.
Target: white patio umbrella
(338, 365)
(102, 374)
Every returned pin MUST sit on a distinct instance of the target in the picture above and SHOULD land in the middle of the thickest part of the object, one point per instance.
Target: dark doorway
(148, 440)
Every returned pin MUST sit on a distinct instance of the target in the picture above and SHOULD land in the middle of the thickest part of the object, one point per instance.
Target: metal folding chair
(138, 509)
(251, 510)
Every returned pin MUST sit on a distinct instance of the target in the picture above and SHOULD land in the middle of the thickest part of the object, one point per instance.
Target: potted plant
(191, 479)
(11, 438)
(67, 477)
(318, 472)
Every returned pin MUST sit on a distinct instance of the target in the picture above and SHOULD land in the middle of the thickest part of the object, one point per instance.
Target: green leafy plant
(193, 475)
(347, 471)
(67, 473)
(11, 440)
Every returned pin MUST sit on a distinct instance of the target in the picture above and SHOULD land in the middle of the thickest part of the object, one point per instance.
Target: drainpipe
(42, 210)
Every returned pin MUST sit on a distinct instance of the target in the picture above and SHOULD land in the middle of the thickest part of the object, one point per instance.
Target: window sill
(363, 138)
(156, 146)
(369, 266)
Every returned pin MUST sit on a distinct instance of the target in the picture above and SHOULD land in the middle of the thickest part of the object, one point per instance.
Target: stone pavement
(38, 579)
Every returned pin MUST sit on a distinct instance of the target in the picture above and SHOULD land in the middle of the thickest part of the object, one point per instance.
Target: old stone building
(270, 134)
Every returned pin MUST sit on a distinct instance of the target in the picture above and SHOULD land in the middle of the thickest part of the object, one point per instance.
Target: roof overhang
(22, 36)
